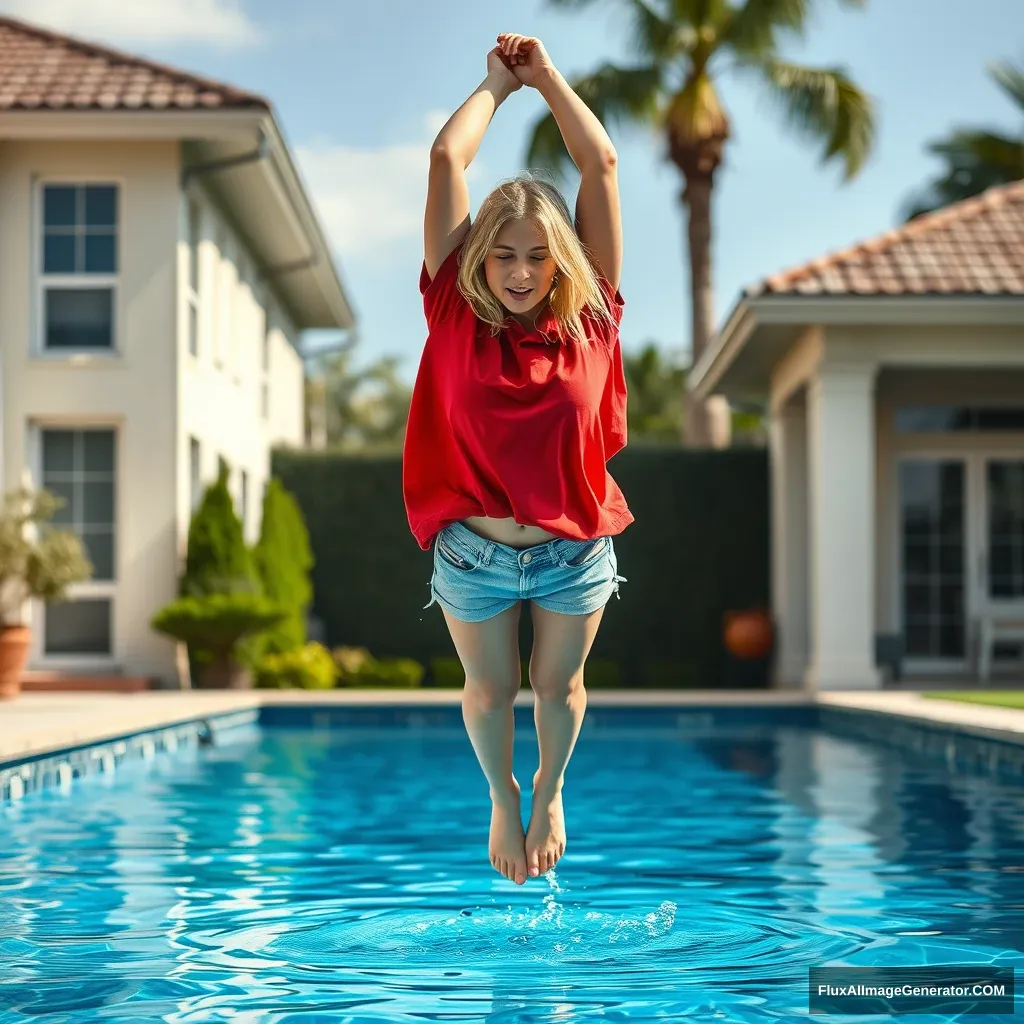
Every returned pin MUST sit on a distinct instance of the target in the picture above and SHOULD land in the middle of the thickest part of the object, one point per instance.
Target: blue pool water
(311, 875)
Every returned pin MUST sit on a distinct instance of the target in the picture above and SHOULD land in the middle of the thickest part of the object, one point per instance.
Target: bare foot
(545, 838)
(505, 845)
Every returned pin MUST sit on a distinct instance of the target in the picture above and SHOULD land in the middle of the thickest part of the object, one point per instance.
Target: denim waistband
(485, 549)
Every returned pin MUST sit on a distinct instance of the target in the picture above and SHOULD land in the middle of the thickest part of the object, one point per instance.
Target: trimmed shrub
(213, 624)
(357, 667)
(447, 673)
(310, 667)
(350, 660)
(283, 559)
(218, 561)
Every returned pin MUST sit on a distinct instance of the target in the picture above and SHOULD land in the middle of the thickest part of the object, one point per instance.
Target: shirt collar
(544, 329)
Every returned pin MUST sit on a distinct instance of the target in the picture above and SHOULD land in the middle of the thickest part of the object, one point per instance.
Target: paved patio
(40, 723)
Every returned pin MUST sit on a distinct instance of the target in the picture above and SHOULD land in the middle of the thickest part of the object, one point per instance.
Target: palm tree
(976, 159)
(654, 411)
(683, 47)
(354, 409)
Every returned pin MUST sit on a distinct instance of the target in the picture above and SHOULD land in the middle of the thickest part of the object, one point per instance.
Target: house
(159, 256)
(894, 373)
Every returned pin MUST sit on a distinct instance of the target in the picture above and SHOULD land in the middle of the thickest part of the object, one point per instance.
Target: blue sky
(361, 89)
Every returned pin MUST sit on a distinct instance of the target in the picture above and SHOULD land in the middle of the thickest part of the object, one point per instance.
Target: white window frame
(193, 290)
(245, 291)
(195, 473)
(265, 357)
(84, 282)
(243, 499)
(107, 589)
(219, 243)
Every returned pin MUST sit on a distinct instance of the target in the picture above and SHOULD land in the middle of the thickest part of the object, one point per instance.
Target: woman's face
(520, 268)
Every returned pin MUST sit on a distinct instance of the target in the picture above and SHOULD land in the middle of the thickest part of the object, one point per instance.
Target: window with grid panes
(79, 267)
(79, 466)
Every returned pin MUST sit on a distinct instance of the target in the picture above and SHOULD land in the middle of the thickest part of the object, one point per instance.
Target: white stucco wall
(133, 391)
(236, 399)
(152, 392)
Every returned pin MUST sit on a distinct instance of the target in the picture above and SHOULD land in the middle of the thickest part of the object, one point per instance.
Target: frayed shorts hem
(576, 608)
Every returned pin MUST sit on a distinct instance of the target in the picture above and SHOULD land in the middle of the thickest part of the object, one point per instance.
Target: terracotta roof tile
(973, 247)
(49, 71)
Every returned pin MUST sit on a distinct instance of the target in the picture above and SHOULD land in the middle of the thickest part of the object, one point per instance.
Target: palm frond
(1011, 80)
(975, 161)
(690, 12)
(654, 36)
(999, 157)
(752, 29)
(824, 104)
(614, 94)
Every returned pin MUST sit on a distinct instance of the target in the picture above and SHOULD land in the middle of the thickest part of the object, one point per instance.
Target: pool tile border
(60, 770)
(68, 738)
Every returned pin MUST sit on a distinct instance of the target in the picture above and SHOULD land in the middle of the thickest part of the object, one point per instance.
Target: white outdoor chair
(995, 625)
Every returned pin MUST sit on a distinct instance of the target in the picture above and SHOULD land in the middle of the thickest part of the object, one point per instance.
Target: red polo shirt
(519, 425)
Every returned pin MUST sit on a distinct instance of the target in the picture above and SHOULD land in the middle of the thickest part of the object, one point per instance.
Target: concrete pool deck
(35, 724)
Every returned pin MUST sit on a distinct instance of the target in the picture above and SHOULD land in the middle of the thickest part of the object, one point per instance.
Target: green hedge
(698, 548)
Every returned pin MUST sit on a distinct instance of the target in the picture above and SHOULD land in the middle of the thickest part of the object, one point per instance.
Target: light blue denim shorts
(475, 578)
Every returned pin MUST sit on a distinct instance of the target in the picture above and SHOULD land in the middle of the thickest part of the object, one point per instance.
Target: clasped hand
(522, 59)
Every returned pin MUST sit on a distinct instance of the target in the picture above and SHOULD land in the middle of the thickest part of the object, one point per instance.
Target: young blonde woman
(519, 401)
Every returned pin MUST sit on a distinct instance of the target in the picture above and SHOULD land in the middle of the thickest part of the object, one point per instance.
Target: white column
(788, 439)
(841, 462)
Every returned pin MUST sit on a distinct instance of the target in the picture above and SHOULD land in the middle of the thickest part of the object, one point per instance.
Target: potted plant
(36, 561)
(213, 626)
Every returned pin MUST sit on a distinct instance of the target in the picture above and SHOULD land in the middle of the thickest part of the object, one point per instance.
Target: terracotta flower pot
(748, 635)
(15, 642)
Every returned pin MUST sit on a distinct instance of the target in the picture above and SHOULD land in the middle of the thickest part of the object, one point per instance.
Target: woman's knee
(492, 694)
(555, 686)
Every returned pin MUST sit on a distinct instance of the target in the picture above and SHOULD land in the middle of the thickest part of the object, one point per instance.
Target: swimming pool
(332, 866)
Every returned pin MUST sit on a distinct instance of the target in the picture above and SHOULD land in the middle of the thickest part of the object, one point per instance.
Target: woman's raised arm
(598, 217)
(446, 219)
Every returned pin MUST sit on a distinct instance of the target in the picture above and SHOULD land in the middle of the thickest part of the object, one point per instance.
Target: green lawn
(1001, 698)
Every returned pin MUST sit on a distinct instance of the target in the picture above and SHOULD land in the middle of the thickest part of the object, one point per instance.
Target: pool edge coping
(57, 722)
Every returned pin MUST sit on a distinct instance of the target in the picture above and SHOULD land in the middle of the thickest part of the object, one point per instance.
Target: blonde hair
(527, 197)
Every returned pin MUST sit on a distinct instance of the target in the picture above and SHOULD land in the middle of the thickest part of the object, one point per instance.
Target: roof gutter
(281, 168)
(705, 374)
(750, 313)
(261, 152)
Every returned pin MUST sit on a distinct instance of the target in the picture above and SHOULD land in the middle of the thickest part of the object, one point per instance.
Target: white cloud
(370, 198)
(130, 22)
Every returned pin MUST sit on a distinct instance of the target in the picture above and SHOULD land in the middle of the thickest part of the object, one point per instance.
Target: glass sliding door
(1000, 560)
(1004, 527)
(933, 555)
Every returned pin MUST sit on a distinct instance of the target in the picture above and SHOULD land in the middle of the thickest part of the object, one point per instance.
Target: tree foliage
(218, 560)
(655, 411)
(975, 158)
(682, 48)
(351, 408)
(283, 559)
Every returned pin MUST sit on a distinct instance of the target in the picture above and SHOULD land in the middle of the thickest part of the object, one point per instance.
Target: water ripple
(302, 878)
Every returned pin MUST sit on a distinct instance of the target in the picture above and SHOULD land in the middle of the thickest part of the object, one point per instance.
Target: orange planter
(748, 635)
(15, 642)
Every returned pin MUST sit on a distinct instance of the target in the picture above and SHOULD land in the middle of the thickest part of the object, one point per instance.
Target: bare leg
(489, 652)
(560, 649)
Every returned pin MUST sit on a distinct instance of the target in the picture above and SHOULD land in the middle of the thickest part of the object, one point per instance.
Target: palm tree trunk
(705, 424)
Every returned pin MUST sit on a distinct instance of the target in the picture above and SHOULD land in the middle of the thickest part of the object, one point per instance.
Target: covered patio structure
(894, 376)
